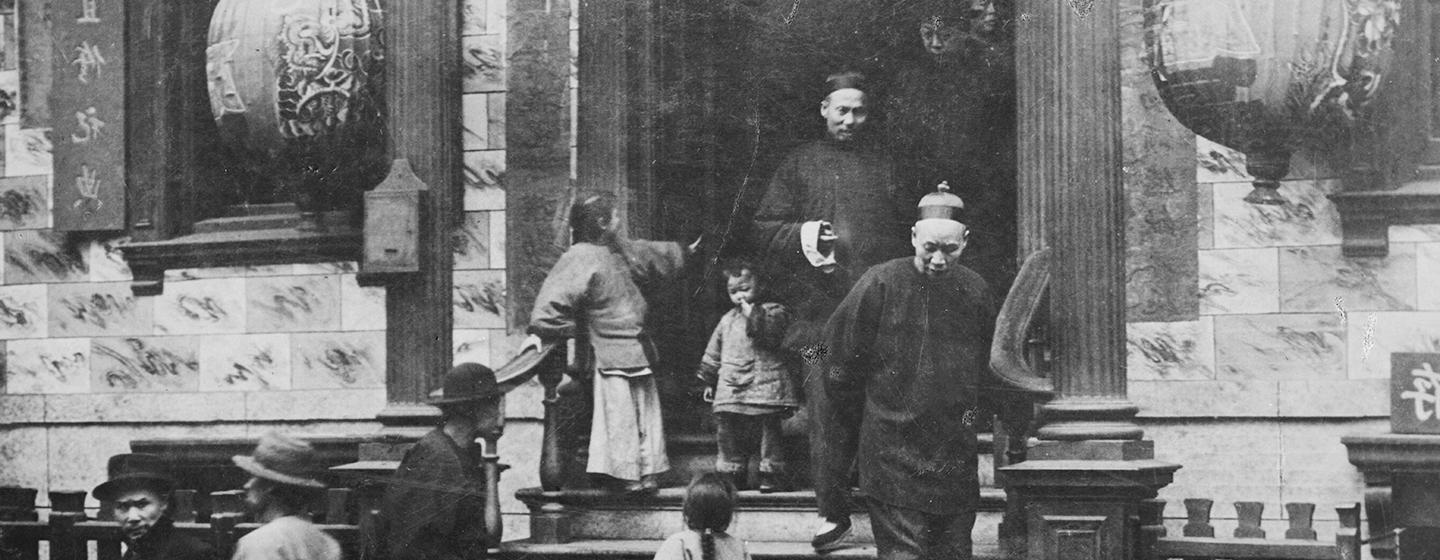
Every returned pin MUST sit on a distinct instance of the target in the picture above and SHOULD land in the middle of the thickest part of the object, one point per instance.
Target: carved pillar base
(550, 523)
(1082, 497)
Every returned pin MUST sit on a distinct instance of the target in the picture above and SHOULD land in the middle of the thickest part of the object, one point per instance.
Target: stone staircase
(588, 523)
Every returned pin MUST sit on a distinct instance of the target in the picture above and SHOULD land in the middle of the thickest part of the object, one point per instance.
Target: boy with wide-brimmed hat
(138, 490)
(282, 485)
(434, 506)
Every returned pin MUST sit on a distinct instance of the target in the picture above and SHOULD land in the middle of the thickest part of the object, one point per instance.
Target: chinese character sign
(87, 107)
(1415, 393)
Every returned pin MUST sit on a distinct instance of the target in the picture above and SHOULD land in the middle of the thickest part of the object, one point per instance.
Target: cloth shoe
(830, 535)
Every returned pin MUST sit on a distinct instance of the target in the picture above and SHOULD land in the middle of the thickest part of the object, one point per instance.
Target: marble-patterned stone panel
(472, 242)
(148, 364)
(25, 202)
(483, 57)
(1172, 350)
(1205, 214)
(475, 118)
(293, 303)
(348, 360)
(340, 267)
(249, 362)
(1427, 276)
(479, 299)
(107, 263)
(1306, 218)
(1372, 337)
(472, 17)
(43, 256)
(1302, 346)
(1238, 281)
(21, 409)
(1216, 163)
(473, 345)
(47, 366)
(495, 15)
(27, 151)
(497, 239)
(484, 180)
(362, 308)
(213, 306)
(1321, 279)
(23, 311)
(496, 108)
(184, 274)
(99, 309)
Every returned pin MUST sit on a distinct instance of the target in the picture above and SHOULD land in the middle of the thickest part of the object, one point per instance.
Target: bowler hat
(129, 470)
(282, 458)
(467, 382)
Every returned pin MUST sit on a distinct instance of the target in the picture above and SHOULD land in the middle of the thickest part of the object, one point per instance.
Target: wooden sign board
(87, 104)
(1415, 393)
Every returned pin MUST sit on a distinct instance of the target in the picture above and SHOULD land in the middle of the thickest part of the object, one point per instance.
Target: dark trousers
(909, 534)
(834, 435)
(739, 436)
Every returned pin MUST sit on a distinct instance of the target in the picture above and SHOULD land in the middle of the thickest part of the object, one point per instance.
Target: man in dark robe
(911, 346)
(832, 209)
(434, 506)
(138, 490)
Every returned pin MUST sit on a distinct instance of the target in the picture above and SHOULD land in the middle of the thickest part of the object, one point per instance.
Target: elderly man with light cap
(434, 505)
(910, 346)
(832, 210)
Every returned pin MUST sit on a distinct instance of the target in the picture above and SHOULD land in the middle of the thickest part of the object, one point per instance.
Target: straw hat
(283, 459)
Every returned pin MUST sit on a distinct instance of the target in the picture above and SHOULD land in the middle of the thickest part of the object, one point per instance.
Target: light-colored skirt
(627, 434)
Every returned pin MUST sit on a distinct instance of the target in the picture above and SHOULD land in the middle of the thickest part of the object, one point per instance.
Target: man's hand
(694, 245)
(708, 395)
(531, 342)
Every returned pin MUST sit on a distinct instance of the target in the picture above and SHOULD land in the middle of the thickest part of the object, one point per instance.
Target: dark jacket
(163, 542)
(855, 189)
(914, 351)
(434, 507)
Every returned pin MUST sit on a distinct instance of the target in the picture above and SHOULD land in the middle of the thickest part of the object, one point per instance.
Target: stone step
(781, 517)
(645, 549)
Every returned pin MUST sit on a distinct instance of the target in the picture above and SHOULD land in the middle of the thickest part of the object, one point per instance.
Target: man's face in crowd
(137, 510)
(938, 244)
(941, 37)
(741, 288)
(490, 417)
(257, 494)
(845, 113)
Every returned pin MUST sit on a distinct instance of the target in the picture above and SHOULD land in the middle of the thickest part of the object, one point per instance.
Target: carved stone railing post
(67, 509)
(1083, 484)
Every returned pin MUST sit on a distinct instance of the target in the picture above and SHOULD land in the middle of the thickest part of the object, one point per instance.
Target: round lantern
(1270, 77)
(297, 94)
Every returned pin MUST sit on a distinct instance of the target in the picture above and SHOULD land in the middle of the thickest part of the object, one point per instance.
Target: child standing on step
(747, 378)
(709, 506)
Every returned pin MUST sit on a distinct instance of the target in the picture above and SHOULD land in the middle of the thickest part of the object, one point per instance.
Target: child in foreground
(709, 506)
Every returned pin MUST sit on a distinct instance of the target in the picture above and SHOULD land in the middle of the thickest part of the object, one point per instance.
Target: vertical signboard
(87, 107)
(1414, 393)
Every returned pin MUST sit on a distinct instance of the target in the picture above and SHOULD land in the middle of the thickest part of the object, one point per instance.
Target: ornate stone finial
(941, 204)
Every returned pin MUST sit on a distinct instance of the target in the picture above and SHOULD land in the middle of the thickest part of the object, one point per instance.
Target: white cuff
(809, 243)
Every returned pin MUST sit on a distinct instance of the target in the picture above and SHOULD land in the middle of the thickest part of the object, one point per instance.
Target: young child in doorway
(747, 378)
(709, 506)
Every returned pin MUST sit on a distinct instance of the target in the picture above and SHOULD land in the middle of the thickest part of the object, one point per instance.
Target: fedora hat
(282, 458)
(129, 470)
(467, 382)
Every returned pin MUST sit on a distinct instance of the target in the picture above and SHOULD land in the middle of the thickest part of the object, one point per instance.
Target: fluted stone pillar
(1083, 483)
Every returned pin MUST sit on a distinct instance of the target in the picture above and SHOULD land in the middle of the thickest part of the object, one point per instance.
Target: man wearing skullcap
(832, 210)
(911, 343)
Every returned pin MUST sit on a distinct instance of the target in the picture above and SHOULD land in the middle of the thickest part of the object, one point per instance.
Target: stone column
(423, 85)
(1083, 483)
